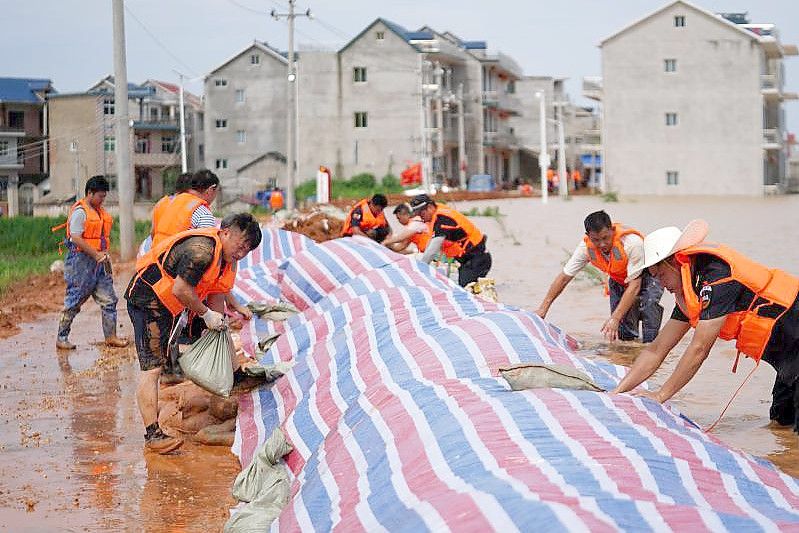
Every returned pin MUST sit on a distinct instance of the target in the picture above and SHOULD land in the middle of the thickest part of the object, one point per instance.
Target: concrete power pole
(461, 139)
(127, 246)
(292, 111)
(543, 154)
(563, 187)
(438, 80)
(183, 163)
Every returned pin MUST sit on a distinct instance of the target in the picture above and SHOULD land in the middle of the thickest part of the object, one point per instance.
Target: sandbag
(537, 376)
(258, 515)
(277, 312)
(209, 362)
(265, 343)
(269, 372)
(262, 473)
(485, 288)
(218, 435)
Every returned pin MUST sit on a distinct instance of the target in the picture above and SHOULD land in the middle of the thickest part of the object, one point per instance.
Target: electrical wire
(159, 43)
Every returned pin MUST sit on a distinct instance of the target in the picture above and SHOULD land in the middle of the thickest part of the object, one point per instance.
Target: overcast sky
(69, 41)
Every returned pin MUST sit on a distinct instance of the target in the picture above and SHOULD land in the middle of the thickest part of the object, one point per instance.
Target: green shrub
(364, 180)
(391, 183)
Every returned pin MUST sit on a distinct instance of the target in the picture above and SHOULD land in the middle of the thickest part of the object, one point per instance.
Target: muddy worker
(177, 274)
(721, 294)
(454, 235)
(366, 219)
(617, 251)
(414, 231)
(87, 268)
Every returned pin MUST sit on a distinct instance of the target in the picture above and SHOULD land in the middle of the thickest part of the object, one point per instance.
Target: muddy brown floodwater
(71, 444)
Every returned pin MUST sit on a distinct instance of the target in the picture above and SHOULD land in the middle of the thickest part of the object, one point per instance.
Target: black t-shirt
(448, 228)
(188, 259)
(721, 299)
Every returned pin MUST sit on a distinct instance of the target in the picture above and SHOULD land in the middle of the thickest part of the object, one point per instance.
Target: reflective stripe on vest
(98, 225)
(213, 280)
(174, 216)
(751, 331)
(368, 220)
(615, 266)
(456, 249)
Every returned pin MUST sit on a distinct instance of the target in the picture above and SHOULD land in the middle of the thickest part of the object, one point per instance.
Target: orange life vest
(616, 264)
(526, 189)
(368, 220)
(456, 249)
(770, 286)
(170, 217)
(421, 239)
(98, 225)
(215, 278)
(276, 200)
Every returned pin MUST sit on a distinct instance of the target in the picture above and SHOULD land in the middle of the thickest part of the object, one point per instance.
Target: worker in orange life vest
(721, 294)
(366, 219)
(634, 296)
(87, 267)
(177, 274)
(276, 199)
(414, 231)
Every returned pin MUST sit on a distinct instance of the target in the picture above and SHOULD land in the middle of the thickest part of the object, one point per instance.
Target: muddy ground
(71, 441)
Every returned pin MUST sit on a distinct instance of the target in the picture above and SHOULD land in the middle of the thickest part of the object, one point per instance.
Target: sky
(70, 41)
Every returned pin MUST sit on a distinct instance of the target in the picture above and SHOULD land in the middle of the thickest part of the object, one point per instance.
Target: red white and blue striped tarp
(399, 420)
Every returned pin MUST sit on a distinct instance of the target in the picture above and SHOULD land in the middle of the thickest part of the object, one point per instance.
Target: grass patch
(610, 197)
(488, 211)
(28, 247)
(357, 187)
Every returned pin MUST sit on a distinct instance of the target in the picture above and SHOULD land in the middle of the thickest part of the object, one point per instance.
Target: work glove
(214, 320)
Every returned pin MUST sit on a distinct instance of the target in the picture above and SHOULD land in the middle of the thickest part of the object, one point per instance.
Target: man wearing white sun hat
(721, 293)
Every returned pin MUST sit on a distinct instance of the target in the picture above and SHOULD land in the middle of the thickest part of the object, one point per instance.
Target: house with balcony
(23, 146)
(693, 103)
(83, 139)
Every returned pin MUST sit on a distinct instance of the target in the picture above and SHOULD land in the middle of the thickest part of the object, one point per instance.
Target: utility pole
(183, 163)
(563, 183)
(292, 111)
(127, 247)
(461, 139)
(438, 80)
(427, 123)
(543, 154)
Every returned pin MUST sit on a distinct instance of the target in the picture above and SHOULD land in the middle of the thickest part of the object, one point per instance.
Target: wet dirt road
(763, 228)
(71, 443)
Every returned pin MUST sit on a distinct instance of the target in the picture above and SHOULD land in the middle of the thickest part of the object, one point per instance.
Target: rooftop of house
(24, 90)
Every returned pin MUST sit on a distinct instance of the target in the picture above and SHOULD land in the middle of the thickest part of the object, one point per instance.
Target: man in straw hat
(721, 293)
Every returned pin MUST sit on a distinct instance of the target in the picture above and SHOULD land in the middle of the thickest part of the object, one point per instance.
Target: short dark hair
(245, 223)
(402, 208)
(597, 221)
(97, 184)
(379, 200)
(183, 183)
(203, 180)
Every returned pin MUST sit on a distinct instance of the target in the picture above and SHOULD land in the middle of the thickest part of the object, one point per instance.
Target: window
(670, 65)
(169, 145)
(671, 119)
(109, 143)
(360, 119)
(108, 106)
(221, 123)
(679, 21)
(672, 178)
(511, 87)
(221, 163)
(255, 59)
(380, 35)
(241, 136)
(16, 119)
(201, 151)
(142, 145)
(3, 148)
(220, 82)
(239, 96)
(359, 74)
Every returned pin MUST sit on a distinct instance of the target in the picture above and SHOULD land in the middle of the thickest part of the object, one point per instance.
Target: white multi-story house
(389, 98)
(693, 104)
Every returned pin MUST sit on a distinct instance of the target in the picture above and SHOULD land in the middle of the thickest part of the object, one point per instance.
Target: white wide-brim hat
(665, 242)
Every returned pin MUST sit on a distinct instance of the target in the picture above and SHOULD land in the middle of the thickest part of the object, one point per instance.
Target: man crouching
(177, 274)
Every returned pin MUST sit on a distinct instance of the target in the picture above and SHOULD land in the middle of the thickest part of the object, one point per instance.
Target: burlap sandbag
(209, 362)
(539, 376)
(262, 473)
(277, 312)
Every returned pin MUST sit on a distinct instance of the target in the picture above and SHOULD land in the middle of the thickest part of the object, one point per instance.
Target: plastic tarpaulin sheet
(399, 419)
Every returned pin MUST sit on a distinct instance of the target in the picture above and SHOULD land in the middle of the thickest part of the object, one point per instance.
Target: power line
(158, 42)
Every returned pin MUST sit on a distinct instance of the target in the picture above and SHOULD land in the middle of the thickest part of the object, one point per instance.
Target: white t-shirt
(412, 228)
(633, 246)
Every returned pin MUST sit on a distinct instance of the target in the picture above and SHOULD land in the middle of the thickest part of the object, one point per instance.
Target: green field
(27, 246)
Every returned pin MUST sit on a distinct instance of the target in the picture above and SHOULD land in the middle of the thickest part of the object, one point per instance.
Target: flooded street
(71, 446)
(763, 228)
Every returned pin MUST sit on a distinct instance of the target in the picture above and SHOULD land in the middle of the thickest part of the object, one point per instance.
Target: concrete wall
(262, 115)
(717, 145)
